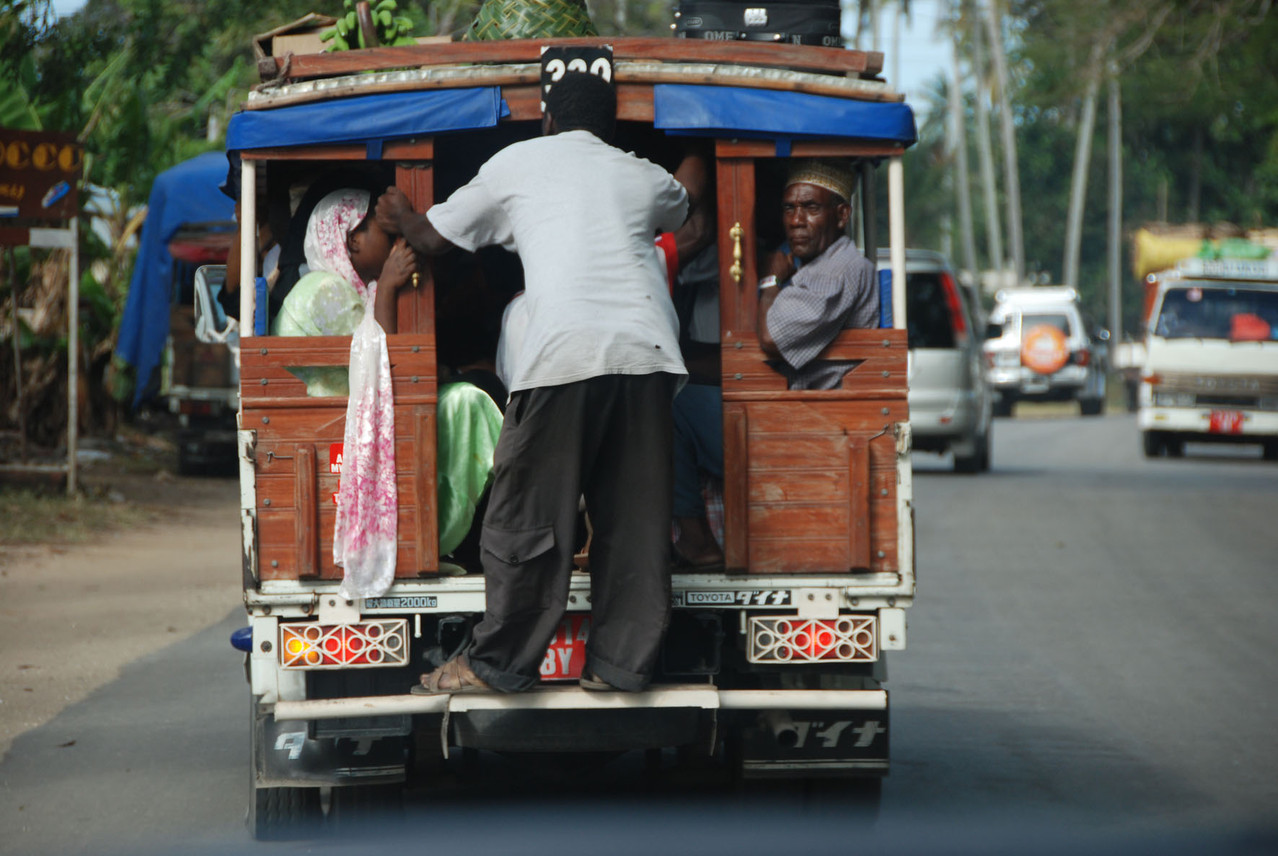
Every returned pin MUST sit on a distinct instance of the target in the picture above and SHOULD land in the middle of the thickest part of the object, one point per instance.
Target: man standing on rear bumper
(590, 408)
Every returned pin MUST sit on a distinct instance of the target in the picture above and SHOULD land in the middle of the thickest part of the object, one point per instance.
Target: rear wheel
(356, 808)
(1091, 406)
(1154, 444)
(1270, 452)
(1002, 406)
(283, 814)
(978, 461)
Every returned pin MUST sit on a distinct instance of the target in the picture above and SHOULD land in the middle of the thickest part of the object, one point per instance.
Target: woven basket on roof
(531, 19)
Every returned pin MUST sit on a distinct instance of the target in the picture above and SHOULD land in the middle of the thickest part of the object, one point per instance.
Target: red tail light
(1082, 357)
(955, 305)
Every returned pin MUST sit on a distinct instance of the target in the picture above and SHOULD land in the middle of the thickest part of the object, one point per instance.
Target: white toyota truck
(774, 663)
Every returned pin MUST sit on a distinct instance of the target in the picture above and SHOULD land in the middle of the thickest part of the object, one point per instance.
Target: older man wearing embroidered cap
(817, 284)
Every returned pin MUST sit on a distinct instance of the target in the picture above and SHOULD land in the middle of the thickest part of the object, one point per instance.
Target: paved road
(1091, 650)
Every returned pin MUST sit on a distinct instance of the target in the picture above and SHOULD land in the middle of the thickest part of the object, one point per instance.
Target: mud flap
(815, 744)
(284, 755)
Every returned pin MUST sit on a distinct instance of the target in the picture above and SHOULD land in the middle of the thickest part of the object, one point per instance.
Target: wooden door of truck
(299, 437)
(810, 476)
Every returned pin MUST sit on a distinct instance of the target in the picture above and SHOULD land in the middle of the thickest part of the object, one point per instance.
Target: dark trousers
(607, 439)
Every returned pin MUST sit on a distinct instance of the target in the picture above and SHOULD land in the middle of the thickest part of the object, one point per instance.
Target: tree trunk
(993, 223)
(1012, 180)
(1078, 184)
(958, 139)
(1115, 209)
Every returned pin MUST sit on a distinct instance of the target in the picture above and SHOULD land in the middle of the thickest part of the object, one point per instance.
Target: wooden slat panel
(304, 501)
(797, 485)
(392, 150)
(778, 556)
(858, 502)
(634, 102)
(827, 555)
(800, 149)
(850, 62)
(736, 454)
(821, 483)
(736, 188)
(426, 521)
(262, 352)
(416, 306)
(815, 416)
(277, 533)
(881, 373)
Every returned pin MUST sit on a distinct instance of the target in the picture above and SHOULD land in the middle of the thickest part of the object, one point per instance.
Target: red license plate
(1226, 422)
(566, 655)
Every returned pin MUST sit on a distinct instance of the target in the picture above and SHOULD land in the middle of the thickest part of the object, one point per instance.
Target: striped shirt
(833, 292)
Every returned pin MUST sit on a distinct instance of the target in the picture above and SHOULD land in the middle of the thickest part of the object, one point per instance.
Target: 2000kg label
(423, 602)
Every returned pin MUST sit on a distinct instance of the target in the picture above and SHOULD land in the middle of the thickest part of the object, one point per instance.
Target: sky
(923, 53)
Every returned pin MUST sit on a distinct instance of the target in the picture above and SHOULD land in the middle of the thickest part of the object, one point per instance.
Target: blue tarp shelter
(679, 109)
(187, 193)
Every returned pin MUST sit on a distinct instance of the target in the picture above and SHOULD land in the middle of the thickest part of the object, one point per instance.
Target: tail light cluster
(846, 639)
(344, 646)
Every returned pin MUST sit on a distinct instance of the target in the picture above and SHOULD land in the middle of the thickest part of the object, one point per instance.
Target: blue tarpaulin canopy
(187, 193)
(368, 119)
(773, 114)
(679, 109)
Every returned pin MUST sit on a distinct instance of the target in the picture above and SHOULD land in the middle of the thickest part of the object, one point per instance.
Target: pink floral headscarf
(334, 218)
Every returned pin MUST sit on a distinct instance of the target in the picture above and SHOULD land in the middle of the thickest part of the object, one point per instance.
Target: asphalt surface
(1090, 667)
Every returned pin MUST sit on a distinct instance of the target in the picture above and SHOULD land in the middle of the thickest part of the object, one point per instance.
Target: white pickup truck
(1210, 371)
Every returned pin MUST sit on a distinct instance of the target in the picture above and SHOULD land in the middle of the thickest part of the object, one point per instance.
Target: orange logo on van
(1044, 350)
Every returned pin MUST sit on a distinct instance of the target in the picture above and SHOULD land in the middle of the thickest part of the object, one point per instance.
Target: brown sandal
(452, 678)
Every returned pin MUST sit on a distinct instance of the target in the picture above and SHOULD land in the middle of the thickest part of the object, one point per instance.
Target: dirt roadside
(72, 616)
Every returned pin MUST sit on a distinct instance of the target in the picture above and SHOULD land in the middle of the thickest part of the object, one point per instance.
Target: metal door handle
(735, 233)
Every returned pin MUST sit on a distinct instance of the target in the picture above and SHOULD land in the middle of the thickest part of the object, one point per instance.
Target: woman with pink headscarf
(348, 257)
(354, 272)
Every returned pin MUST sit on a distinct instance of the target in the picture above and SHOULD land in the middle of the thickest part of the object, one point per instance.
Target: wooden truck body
(777, 658)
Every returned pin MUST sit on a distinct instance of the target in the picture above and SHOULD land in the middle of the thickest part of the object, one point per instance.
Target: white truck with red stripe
(1210, 371)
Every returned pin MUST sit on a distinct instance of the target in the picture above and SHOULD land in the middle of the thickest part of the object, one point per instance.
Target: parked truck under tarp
(774, 664)
(189, 223)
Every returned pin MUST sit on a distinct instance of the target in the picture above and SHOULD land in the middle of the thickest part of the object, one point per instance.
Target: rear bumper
(780, 733)
(940, 418)
(1027, 384)
(701, 696)
(1194, 423)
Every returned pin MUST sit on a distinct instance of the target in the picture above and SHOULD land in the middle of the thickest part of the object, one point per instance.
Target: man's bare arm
(396, 216)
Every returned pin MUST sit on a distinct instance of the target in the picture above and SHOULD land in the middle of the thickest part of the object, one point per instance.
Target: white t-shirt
(582, 215)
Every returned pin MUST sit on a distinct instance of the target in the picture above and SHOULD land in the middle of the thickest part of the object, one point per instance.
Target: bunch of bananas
(391, 29)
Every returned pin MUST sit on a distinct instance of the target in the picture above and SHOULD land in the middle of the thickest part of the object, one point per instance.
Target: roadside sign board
(39, 175)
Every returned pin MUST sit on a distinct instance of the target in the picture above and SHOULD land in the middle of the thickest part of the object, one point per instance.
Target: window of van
(1194, 312)
(930, 323)
(1052, 319)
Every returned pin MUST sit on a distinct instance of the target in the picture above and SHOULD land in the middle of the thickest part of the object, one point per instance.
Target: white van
(1211, 356)
(1039, 348)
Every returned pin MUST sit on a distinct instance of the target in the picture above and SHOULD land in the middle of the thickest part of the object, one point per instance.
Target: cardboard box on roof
(300, 37)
